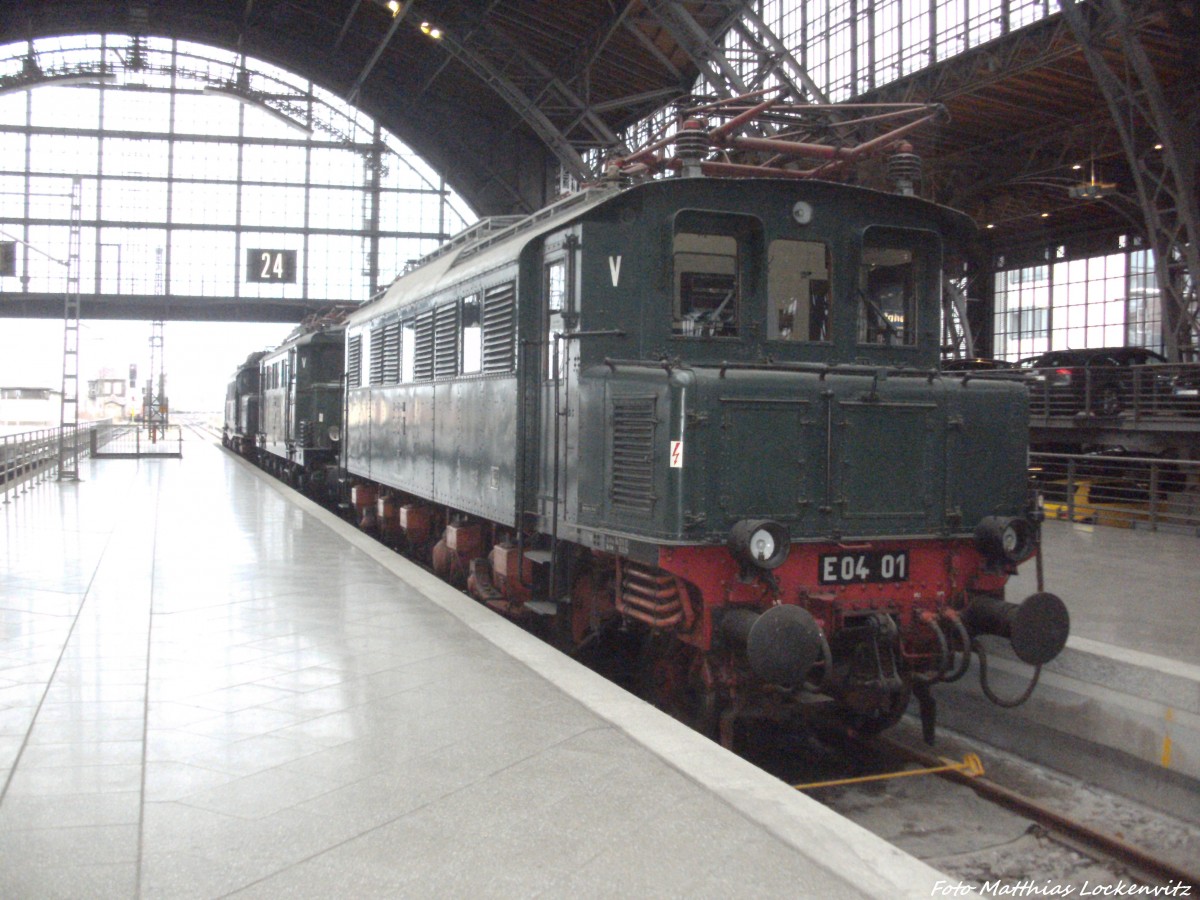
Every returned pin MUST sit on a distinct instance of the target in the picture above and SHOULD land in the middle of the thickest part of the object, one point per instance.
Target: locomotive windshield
(708, 253)
(893, 272)
(798, 277)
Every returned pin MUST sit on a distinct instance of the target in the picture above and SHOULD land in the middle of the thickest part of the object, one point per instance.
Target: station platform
(1120, 706)
(209, 686)
(1127, 588)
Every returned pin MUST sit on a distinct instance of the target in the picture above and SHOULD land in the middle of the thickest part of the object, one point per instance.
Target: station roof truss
(499, 95)
(1071, 131)
(506, 96)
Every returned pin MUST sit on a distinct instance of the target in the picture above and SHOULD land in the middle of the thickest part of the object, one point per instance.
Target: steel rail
(1055, 822)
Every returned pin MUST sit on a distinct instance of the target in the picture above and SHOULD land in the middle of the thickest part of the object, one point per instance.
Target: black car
(977, 364)
(1101, 381)
(1185, 390)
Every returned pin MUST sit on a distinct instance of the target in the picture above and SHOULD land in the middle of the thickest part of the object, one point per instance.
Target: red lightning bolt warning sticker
(676, 454)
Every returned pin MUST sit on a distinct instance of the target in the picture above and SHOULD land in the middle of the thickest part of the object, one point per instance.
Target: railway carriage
(708, 412)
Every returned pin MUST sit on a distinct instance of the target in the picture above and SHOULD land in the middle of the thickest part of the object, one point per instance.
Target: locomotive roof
(479, 249)
(303, 335)
(493, 242)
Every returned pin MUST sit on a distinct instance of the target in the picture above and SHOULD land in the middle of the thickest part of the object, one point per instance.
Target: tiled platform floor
(208, 687)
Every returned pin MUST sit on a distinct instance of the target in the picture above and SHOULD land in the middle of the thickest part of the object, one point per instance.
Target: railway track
(1016, 830)
(1148, 865)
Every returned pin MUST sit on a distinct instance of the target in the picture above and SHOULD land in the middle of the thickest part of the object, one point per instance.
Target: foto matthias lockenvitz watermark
(1031, 888)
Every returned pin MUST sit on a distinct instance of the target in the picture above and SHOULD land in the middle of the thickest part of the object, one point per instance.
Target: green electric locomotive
(707, 410)
(301, 417)
(243, 396)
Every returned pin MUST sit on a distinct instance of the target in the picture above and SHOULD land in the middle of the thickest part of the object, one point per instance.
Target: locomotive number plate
(863, 567)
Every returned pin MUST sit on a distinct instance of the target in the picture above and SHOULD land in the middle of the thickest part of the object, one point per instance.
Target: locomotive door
(290, 438)
(560, 375)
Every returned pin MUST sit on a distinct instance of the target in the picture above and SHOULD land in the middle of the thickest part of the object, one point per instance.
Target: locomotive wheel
(674, 678)
(883, 717)
(590, 610)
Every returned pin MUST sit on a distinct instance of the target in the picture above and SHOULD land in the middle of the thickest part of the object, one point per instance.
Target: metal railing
(130, 440)
(1153, 392)
(1120, 490)
(32, 456)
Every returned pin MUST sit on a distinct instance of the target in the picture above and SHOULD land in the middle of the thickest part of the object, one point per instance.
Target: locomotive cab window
(798, 279)
(893, 273)
(708, 253)
(555, 287)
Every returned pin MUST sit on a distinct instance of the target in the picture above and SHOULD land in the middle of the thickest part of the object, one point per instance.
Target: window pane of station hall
(846, 46)
(203, 263)
(1106, 300)
(204, 203)
(227, 166)
(136, 111)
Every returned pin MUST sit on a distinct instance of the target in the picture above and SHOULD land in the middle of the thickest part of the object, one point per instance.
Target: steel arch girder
(1165, 179)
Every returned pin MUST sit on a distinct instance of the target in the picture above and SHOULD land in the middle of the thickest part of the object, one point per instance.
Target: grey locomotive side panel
(419, 439)
(395, 444)
(451, 442)
(386, 425)
(476, 462)
(591, 465)
(358, 432)
(641, 491)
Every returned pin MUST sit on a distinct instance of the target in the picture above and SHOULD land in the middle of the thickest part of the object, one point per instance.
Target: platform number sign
(271, 266)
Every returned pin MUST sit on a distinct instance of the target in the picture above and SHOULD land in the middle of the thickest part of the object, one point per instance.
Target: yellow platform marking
(1166, 747)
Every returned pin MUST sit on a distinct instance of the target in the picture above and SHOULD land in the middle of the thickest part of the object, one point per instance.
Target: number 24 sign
(275, 266)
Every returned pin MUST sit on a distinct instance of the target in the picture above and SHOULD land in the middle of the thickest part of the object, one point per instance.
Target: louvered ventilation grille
(445, 342)
(391, 354)
(354, 361)
(377, 339)
(423, 355)
(633, 454)
(499, 311)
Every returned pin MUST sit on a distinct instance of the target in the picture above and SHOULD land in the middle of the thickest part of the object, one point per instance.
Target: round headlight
(762, 545)
(335, 433)
(1010, 539)
(760, 542)
(1003, 539)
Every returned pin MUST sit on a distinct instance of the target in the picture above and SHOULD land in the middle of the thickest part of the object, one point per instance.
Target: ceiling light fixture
(1091, 189)
(432, 30)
